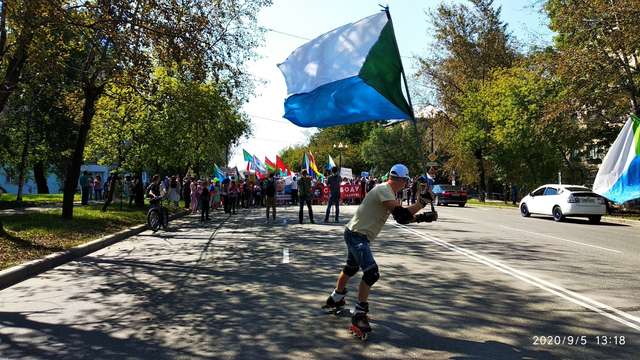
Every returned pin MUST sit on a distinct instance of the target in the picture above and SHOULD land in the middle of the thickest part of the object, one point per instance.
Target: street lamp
(340, 147)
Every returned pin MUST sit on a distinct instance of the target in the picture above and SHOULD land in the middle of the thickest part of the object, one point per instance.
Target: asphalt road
(481, 283)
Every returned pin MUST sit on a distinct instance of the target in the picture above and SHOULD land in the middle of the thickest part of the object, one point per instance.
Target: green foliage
(183, 124)
(388, 146)
(596, 54)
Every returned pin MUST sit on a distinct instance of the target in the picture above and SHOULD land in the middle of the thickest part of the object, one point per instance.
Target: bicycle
(157, 215)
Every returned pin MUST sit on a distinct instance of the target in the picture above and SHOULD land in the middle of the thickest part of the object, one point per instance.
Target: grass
(36, 234)
(8, 201)
(496, 204)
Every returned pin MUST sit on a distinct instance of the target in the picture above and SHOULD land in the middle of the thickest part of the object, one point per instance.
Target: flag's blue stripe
(628, 185)
(346, 101)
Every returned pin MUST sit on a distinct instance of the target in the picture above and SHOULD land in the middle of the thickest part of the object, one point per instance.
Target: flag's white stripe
(336, 55)
(617, 160)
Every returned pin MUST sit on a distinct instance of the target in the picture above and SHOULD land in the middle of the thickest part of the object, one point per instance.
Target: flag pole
(406, 87)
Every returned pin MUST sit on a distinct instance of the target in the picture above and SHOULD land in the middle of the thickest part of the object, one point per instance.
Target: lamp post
(340, 147)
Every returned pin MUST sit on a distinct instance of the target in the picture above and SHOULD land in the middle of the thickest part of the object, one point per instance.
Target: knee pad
(350, 270)
(371, 276)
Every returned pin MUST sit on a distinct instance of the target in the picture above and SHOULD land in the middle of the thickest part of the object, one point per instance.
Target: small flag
(269, 164)
(247, 156)
(330, 164)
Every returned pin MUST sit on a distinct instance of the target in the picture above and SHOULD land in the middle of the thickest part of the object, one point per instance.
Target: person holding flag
(357, 76)
(363, 228)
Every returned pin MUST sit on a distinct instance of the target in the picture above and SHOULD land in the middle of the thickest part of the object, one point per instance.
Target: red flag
(280, 164)
(269, 163)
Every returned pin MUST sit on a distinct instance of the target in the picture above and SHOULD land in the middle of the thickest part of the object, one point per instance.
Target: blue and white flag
(618, 177)
(348, 75)
(330, 164)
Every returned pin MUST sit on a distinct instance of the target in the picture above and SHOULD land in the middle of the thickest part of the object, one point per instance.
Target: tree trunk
(40, 178)
(14, 68)
(139, 192)
(91, 95)
(481, 171)
(23, 162)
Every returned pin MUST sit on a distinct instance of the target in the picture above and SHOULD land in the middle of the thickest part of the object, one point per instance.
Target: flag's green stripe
(381, 70)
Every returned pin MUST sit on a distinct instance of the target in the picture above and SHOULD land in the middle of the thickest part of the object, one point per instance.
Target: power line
(308, 39)
(269, 119)
(286, 33)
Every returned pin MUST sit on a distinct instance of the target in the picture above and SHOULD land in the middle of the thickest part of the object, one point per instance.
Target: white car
(561, 201)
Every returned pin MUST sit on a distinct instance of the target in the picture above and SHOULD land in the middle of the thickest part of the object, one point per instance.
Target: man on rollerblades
(363, 228)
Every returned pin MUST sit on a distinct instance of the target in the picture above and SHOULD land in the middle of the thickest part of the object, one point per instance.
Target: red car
(449, 194)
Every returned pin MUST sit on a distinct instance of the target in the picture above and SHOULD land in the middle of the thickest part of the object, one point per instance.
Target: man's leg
(336, 299)
(328, 212)
(310, 211)
(337, 208)
(274, 212)
(300, 212)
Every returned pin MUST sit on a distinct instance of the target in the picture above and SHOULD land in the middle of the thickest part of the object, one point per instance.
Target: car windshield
(448, 188)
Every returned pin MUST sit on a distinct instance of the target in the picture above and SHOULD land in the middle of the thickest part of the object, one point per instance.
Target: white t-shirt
(372, 214)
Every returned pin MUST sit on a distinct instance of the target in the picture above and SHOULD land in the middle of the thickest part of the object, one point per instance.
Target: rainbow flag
(618, 178)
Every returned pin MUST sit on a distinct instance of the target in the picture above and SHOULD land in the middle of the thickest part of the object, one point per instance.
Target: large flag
(618, 178)
(348, 75)
(247, 156)
(331, 164)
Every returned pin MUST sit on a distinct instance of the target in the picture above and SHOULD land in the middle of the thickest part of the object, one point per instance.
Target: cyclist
(154, 193)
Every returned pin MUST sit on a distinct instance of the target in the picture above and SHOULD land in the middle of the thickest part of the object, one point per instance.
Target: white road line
(559, 238)
(285, 255)
(581, 300)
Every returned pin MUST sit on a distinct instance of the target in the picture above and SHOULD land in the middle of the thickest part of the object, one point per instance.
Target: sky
(291, 23)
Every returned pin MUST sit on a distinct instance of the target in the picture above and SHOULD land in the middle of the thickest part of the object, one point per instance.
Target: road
(481, 283)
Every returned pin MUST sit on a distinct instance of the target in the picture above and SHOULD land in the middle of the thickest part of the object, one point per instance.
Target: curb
(614, 219)
(22, 272)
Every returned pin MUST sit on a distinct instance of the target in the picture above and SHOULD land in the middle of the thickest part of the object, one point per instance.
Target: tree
(470, 44)
(183, 125)
(121, 41)
(597, 55)
(385, 147)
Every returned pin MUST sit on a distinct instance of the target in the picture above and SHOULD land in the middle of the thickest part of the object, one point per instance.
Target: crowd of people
(201, 196)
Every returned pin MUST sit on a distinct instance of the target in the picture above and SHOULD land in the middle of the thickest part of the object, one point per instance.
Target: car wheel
(524, 210)
(462, 204)
(595, 219)
(557, 214)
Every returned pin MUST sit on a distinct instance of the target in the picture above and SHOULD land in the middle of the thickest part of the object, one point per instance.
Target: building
(9, 182)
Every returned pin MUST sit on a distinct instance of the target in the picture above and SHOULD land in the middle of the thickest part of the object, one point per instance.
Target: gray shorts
(359, 253)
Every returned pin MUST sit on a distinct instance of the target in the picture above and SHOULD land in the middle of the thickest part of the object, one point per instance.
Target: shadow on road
(196, 294)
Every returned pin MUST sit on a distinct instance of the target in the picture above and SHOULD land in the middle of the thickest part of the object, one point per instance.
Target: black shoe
(311, 221)
(361, 321)
(208, 218)
(326, 221)
(334, 305)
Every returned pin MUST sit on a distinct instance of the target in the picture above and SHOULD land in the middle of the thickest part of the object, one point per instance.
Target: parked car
(561, 201)
(449, 194)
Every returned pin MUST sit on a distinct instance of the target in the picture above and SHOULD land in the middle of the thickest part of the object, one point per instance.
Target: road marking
(559, 238)
(581, 300)
(285, 255)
